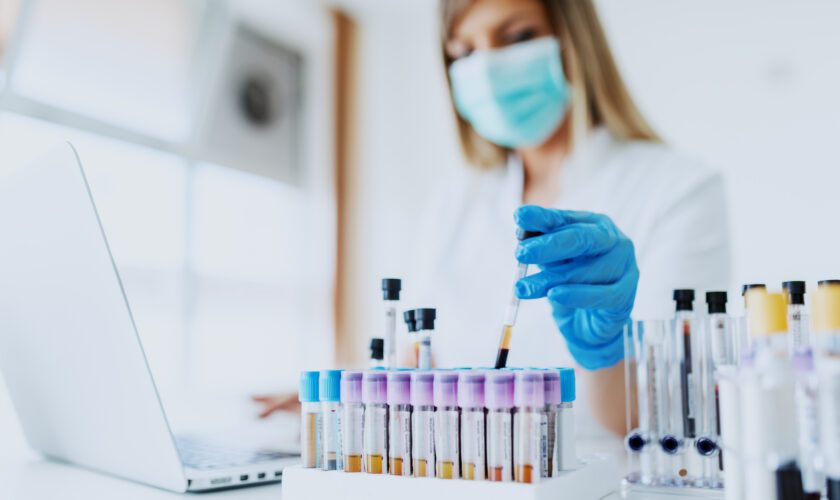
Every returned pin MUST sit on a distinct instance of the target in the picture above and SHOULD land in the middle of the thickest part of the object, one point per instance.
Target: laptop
(70, 352)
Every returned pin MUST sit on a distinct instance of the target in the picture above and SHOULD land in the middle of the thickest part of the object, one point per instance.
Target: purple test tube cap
(351, 386)
(471, 389)
(529, 389)
(422, 388)
(446, 388)
(498, 390)
(551, 382)
(375, 387)
(399, 388)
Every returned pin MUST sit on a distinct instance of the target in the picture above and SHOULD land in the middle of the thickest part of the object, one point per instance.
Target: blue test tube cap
(309, 392)
(567, 385)
(330, 385)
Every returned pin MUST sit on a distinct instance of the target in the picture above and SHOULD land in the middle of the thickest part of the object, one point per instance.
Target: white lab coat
(673, 209)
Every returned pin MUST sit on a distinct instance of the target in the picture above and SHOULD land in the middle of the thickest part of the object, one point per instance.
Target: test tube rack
(596, 477)
(636, 491)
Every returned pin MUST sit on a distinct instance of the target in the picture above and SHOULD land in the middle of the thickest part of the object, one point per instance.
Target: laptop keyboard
(203, 455)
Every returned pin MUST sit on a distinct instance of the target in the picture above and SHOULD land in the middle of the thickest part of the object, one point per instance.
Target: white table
(24, 475)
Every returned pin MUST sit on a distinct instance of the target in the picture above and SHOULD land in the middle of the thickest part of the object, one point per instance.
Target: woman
(546, 121)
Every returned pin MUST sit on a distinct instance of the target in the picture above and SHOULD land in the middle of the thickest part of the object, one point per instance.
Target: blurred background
(260, 164)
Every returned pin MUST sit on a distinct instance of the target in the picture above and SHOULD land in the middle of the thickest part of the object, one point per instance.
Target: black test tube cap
(749, 286)
(522, 234)
(408, 317)
(789, 482)
(716, 302)
(829, 282)
(796, 291)
(424, 319)
(377, 349)
(685, 299)
(833, 488)
(391, 288)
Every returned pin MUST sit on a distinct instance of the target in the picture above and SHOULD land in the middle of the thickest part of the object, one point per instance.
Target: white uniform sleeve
(687, 245)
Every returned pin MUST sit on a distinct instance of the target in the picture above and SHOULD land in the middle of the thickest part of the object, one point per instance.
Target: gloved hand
(588, 272)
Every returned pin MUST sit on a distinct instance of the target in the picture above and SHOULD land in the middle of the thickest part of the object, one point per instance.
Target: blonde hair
(599, 95)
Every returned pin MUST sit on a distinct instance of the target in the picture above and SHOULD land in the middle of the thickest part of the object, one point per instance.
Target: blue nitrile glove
(588, 272)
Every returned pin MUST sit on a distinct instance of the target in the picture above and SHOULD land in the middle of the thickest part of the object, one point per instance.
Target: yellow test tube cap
(767, 313)
(825, 308)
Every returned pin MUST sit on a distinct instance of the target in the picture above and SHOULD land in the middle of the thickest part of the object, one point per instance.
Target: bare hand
(272, 403)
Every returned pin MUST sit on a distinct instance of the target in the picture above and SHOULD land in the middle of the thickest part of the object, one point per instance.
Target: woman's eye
(522, 35)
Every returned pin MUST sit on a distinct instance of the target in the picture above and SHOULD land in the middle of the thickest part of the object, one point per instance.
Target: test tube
(566, 438)
(742, 337)
(530, 427)
(424, 320)
(399, 423)
(553, 402)
(768, 415)
(377, 353)
(799, 338)
(680, 426)
(330, 395)
(826, 321)
(375, 398)
(390, 299)
(686, 357)
(649, 346)
(446, 424)
(473, 424)
(411, 327)
(423, 423)
(352, 420)
(513, 306)
(714, 349)
(498, 396)
(807, 421)
(310, 413)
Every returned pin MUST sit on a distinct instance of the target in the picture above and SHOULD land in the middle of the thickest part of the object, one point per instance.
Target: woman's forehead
(478, 17)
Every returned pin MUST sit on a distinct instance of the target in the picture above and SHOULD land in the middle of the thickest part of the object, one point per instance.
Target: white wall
(749, 87)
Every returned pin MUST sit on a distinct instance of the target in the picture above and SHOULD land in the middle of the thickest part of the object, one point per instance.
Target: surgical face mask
(515, 96)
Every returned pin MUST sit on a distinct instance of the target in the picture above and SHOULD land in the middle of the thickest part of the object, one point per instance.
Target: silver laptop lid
(69, 349)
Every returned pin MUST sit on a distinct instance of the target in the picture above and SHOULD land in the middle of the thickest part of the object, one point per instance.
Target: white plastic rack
(596, 477)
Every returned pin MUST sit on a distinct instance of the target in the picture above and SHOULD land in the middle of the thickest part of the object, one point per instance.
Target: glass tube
(330, 391)
(374, 392)
(551, 383)
(390, 295)
(331, 419)
(711, 346)
(797, 317)
(473, 424)
(447, 455)
(423, 424)
(310, 450)
(648, 370)
(499, 401)
(399, 423)
(530, 427)
(352, 418)
(424, 320)
(566, 456)
(673, 439)
(310, 419)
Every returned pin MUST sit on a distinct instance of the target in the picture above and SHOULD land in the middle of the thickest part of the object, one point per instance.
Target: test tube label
(473, 445)
(500, 446)
(543, 445)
